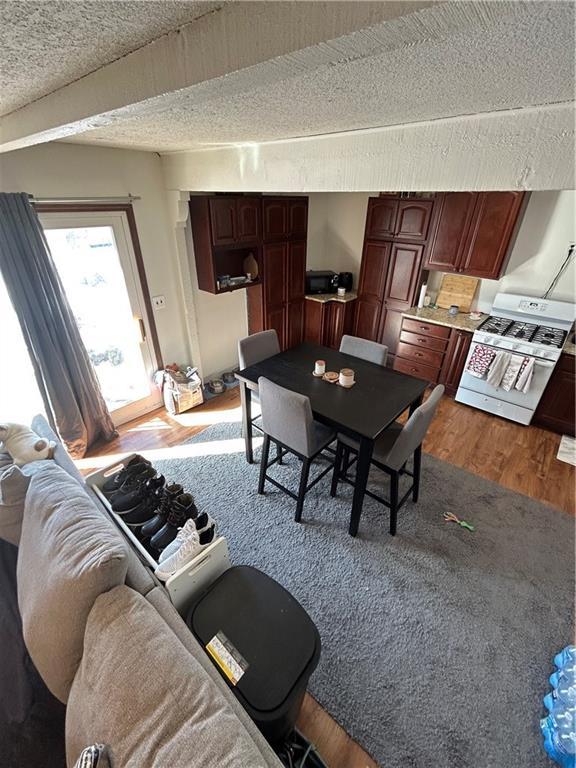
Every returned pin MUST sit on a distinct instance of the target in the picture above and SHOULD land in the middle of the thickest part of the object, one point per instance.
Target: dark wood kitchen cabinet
(389, 278)
(328, 321)
(390, 218)
(432, 352)
(454, 360)
(285, 218)
(226, 229)
(279, 302)
(472, 233)
(235, 219)
(556, 410)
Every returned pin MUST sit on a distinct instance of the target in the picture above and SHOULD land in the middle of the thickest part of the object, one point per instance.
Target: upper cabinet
(234, 219)
(381, 217)
(285, 217)
(412, 220)
(472, 233)
(390, 218)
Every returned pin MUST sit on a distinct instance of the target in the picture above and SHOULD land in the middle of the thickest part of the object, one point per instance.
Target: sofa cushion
(69, 554)
(159, 599)
(141, 693)
(14, 483)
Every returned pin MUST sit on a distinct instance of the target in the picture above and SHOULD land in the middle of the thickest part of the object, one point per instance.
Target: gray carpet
(437, 644)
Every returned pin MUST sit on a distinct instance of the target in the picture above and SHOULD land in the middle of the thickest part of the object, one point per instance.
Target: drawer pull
(418, 354)
(421, 341)
(424, 327)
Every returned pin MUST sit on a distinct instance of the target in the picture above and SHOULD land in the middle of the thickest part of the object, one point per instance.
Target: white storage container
(193, 578)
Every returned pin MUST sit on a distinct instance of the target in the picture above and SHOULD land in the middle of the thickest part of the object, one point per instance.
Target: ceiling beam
(514, 149)
(230, 40)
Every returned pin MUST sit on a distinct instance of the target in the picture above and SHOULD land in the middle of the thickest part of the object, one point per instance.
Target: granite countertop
(460, 321)
(570, 348)
(324, 298)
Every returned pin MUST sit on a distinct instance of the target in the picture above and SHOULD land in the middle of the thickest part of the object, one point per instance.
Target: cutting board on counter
(457, 289)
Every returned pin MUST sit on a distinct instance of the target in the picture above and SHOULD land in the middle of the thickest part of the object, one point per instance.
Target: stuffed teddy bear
(24, 445)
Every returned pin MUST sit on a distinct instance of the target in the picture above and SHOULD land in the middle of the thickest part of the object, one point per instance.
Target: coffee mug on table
(320, 367)
(454, 309)
(346, 378)
(341, 291)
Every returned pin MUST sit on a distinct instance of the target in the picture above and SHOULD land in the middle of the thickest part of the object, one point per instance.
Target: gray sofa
(108, 642)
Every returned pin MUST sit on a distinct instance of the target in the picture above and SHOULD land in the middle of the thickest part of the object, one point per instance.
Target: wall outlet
(159, 302)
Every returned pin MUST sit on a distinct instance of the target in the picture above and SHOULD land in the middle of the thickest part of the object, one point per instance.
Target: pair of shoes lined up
(158, 512)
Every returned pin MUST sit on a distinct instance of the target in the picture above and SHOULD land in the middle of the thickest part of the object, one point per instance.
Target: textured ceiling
(45, 45)
(440, 62)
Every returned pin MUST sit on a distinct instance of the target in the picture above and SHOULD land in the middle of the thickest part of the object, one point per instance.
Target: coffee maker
(345, 280)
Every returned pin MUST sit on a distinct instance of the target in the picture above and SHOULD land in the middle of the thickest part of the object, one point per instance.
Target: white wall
(67, 170)
(336, 222)
(221, 320)
(548, 227)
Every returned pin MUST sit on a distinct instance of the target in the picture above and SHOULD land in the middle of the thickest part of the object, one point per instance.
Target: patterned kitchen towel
(480, 360)
(512, 372)
(498, 368)
(525, 375)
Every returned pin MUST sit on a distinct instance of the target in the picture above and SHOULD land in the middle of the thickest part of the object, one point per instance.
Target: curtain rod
(126, 199)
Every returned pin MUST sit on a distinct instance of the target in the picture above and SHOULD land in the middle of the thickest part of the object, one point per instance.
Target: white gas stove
(535, 329)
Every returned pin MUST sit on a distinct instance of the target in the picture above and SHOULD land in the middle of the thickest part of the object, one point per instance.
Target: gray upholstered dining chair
(287, 420)
(367, 350)
(391, 453)
(253, 349)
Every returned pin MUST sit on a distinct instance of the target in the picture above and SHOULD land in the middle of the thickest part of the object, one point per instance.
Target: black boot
(182, 509)
(167, 495)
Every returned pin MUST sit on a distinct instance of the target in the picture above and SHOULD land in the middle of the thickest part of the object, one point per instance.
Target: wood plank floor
(522, 459)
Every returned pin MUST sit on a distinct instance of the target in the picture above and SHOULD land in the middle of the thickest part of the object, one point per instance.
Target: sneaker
(133, 467)
(167, 495)
(182, 509)
(190, 548)
(144, 511)
(203, 522)
(135, 489)
(188, 527)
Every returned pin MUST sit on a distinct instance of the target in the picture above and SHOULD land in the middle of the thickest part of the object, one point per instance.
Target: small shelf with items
(236, 268)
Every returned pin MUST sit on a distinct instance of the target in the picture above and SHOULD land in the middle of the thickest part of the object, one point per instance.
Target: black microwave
(321, 281)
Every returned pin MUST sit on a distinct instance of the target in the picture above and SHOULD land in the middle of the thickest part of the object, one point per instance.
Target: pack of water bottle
(559, 727)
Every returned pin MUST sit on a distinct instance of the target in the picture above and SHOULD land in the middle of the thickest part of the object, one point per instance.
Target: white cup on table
(320, 367)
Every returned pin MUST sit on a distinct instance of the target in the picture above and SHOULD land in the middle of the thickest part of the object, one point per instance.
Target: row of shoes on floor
(162, 516)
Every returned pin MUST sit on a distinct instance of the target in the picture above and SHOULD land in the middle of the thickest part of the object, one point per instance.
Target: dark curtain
(67, 382)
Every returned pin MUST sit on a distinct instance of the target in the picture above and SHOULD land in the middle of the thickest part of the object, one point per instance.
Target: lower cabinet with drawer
(432, 352)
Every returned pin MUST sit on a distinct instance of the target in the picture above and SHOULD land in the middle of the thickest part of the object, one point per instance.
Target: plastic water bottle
(559, 731)
(563, 684)
(565, 656)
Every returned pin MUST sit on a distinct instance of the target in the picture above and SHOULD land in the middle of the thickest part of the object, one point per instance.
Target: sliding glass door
(95, 258)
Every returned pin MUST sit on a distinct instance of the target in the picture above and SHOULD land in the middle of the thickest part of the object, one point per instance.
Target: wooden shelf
(257, 281)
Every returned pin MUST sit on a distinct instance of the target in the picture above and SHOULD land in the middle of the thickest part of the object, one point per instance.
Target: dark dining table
(363, 412)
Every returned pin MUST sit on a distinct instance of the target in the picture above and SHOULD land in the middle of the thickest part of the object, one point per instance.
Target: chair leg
(417, 467)
(278, 453)
(264, 463)
(393, 502)
(345, 459)
(337, 469)
(302, 490)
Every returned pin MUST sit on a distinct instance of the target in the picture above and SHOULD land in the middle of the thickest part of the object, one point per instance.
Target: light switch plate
(159, 302)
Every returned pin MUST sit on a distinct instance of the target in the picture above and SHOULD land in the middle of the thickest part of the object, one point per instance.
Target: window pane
(89, 267)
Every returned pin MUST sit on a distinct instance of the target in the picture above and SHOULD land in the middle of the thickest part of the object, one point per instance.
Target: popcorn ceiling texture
(439, 62)
(46, 45)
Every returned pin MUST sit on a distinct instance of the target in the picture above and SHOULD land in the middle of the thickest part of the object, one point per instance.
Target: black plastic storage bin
(262, 641)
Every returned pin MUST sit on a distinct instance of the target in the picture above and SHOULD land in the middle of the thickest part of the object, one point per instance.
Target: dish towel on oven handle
(511, 373)
(525, 376)
(498, 368)
(480, 360)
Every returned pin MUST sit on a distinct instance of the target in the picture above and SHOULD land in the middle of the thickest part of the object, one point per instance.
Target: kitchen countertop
(324, 298)
(460, 321)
